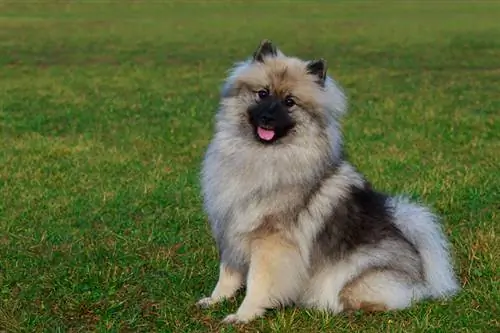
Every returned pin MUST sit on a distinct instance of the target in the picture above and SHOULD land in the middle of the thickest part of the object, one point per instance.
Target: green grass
(105, 112)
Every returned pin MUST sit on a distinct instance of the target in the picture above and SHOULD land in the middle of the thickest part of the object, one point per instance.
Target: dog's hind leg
(229, 282)
(381, 290)
(274, 277)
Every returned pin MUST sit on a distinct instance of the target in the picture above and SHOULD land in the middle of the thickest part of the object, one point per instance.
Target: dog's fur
(293, 220)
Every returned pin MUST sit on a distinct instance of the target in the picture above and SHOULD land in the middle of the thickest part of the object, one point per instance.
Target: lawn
(106, 110)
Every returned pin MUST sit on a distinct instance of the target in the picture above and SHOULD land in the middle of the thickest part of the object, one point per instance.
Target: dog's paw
(243, 317)
(206, 302)
(235, 319)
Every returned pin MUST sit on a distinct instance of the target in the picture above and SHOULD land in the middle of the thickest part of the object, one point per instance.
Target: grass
(105, 112)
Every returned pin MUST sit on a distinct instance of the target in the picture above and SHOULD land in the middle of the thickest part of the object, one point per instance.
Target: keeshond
(293, 220)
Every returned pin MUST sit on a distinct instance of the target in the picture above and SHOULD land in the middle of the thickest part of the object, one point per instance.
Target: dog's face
(273, 99)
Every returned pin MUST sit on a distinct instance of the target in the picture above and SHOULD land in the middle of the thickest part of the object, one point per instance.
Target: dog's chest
(241, 194)
(255, 216)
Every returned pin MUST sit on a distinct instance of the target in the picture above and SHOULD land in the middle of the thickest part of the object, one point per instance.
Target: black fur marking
(319, 69)
(270, 113)
(363, 218)
(265, 49)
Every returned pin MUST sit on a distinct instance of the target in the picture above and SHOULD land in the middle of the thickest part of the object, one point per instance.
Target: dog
(292, 219)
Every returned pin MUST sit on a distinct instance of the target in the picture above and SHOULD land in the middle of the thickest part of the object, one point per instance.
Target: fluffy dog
(293, 220)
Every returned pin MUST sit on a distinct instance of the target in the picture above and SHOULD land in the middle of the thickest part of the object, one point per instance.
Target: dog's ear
(265, 49)
(318, 68)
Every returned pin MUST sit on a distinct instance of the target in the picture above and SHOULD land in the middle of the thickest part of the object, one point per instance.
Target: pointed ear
(318, 68)
(265, 49)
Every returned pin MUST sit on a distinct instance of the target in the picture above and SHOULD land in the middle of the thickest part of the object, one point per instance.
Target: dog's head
(275, 99)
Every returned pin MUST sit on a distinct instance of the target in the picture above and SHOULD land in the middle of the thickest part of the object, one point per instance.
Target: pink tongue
(265, 134)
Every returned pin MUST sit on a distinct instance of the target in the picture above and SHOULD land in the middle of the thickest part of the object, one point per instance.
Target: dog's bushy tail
(422, 228)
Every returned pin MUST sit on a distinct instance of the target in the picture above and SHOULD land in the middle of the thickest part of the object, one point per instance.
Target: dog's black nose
(269, 113)
(267, 119)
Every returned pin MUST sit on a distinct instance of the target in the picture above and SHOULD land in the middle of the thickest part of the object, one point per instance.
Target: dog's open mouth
(270, 121)
(266, 134)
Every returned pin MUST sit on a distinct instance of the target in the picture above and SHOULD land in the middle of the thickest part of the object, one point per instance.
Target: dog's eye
(263, 93)
(289, 102)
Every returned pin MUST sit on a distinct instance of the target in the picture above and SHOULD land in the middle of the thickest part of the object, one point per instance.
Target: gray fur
(302, 189)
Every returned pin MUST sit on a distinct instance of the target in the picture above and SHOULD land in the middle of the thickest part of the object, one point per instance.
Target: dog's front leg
(274, 277)
(230, 280)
